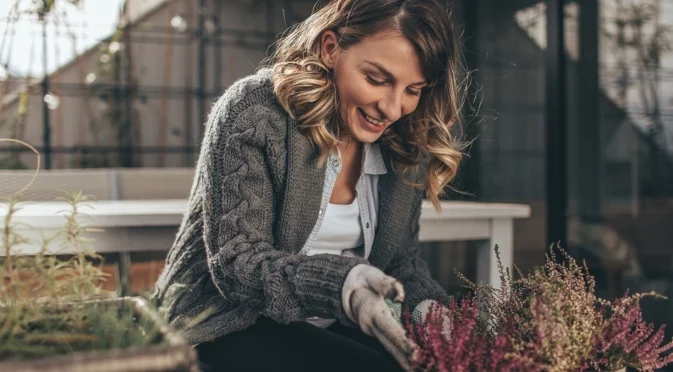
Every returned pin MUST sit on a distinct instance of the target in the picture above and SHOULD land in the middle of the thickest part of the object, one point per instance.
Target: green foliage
(51, 305)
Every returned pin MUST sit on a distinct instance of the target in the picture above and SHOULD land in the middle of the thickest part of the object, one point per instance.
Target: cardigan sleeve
(410, 269)
(239, 214)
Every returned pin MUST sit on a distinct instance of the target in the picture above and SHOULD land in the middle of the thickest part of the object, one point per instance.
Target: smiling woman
(300, 242)
(379, 81)
(383, 59)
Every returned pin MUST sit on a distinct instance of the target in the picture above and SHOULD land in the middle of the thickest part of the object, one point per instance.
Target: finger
(386, 286)
(393, 331)
(364, 301)
(398, 294)
(401, 357)
(446, 327)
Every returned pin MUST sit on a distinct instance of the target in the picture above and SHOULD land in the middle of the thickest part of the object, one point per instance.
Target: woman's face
(378, 80)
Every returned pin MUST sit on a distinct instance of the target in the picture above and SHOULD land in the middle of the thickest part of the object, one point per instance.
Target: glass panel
(510, 64)
(636, 64)
(620, 134)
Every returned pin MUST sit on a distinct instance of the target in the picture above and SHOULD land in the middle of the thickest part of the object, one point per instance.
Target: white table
(150, 225)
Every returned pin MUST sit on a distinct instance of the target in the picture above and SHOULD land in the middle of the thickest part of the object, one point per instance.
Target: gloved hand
(363, 296)
(422, 310)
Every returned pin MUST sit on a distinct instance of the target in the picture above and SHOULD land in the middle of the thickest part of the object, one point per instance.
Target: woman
(303, 219)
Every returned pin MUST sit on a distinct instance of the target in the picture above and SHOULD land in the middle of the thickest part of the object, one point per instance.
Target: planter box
(170, 353)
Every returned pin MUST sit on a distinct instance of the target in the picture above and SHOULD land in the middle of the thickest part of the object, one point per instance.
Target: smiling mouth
(372, 120)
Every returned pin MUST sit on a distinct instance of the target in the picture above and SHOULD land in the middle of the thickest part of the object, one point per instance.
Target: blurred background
(570, 109)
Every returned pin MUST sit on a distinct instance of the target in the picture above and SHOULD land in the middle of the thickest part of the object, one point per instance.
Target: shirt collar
(373, 163)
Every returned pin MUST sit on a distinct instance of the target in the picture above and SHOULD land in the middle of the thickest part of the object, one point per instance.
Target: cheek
(356, 92)
(410, 106)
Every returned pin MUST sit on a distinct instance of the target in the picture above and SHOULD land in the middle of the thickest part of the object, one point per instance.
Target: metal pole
(217, 51)
(129, 91)
(589, 138)
(46, 127)
(201, 68)
(657, 131)
(123, 135)
(635, 173)
(556, 144)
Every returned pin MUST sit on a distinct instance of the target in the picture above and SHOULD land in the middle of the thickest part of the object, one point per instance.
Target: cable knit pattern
(254, 201)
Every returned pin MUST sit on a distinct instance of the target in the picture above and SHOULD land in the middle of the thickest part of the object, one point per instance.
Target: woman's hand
(363, 296)
(439, 311)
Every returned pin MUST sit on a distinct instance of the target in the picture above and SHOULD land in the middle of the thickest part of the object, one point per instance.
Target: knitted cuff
(319, 283)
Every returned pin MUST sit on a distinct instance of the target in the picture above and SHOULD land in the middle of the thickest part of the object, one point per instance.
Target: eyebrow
(389, 74)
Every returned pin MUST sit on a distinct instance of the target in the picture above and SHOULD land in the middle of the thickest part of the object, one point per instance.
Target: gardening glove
(363, 297)
(422, 310)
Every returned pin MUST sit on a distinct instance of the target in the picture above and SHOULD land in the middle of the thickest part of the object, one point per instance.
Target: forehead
(394, 52)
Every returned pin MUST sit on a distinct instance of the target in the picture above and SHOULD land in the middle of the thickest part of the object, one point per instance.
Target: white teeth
(372, 120)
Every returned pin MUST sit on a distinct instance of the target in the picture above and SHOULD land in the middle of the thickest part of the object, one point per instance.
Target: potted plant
(548, 320)
(53, 312)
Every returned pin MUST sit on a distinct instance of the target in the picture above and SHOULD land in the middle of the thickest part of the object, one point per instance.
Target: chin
(366, 137)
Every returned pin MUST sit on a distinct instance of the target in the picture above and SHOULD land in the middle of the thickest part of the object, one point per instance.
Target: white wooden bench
(150, 225)
(101, 184)
(105, 184)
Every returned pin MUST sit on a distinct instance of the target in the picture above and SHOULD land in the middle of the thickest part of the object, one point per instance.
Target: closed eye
(374, 82)
(378, 83)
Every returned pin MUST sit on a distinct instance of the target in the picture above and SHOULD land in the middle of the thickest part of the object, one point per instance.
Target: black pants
(269, 346)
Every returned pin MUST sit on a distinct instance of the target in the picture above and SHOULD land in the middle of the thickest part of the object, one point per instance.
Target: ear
(329, 48)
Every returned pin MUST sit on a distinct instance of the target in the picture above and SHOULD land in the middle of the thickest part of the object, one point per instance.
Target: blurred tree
(637, 41)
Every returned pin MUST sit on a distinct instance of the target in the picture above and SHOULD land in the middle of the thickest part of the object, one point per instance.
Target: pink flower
(467, 347)
(547, 320)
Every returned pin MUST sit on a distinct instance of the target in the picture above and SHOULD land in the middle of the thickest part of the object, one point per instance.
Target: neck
(348, 144)
(351, 153)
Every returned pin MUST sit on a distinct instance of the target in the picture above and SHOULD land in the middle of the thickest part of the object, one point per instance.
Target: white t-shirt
(347, 230)
(340, 230)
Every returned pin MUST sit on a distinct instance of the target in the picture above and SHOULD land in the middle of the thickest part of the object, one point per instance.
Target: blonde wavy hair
(305, 87)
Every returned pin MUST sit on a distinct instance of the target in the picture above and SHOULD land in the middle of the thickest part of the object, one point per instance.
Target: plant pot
(168, 352)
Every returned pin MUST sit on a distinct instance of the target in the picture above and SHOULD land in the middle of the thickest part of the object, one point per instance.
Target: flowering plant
(468, 347)
(548, 320)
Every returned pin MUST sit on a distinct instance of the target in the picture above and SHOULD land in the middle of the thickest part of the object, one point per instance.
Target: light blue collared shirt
(367, 197)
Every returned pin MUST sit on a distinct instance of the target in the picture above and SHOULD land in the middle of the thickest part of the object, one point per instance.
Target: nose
(391, 106)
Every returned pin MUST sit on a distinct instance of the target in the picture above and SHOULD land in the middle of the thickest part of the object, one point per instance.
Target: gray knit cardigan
(254, 201)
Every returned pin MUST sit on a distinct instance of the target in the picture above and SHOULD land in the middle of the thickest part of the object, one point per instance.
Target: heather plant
(467, 347)
(548, 320)
(562, 304)
(627, 340)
